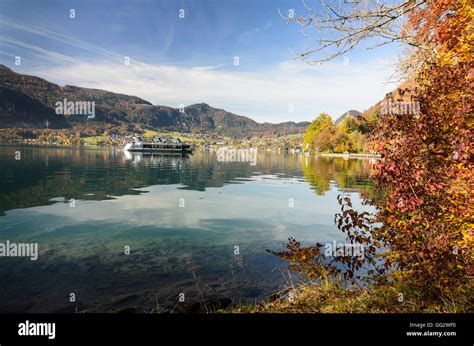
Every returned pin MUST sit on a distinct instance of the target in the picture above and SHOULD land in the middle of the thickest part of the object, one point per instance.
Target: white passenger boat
(158, 145)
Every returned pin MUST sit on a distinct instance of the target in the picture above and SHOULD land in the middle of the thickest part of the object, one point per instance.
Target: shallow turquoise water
(193, 225)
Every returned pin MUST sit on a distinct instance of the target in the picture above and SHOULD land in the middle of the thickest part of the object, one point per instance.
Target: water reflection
(350, 175)
(134, 200)
(43, 174)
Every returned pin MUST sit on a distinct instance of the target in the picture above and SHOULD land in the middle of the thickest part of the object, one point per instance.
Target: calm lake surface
(193, 225)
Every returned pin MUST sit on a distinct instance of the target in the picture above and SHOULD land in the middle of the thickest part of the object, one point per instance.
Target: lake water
(194, 226)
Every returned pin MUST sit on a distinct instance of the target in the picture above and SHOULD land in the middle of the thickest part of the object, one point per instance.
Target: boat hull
(179, 150)
(158, 147)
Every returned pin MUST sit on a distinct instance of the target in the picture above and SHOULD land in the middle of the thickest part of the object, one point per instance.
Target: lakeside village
(116, 138)
(346, 137)
(103, 138)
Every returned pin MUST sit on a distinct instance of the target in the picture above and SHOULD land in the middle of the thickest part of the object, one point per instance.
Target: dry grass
(328, 297)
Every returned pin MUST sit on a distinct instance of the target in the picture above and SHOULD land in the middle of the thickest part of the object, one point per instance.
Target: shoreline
(365, 156)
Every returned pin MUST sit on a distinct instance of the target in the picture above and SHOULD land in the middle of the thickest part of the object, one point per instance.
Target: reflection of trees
(46, 173)
(349, 175)
(43, 174)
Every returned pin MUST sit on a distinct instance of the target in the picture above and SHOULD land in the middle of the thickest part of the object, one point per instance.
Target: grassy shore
(329, 297)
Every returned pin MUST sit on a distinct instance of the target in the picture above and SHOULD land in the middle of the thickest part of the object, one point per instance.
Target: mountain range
(30, 102)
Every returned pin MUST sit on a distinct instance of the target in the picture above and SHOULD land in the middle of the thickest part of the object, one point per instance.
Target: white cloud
(264, 96)
(49, 54)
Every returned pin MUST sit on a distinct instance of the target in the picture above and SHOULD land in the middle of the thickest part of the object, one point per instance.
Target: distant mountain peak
(349, 113)
(201, 106)
(4, 68)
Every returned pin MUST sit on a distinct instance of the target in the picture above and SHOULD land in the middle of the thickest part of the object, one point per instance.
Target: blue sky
(187, 60)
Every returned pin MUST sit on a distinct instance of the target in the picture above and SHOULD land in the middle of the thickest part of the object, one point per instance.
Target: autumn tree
(323, 121)
(426, 172)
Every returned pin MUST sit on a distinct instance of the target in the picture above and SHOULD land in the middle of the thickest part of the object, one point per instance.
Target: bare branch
(341, 29)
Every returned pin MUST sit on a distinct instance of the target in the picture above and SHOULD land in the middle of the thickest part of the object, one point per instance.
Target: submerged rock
(71, 308)
(130, 310)
(206, 307)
